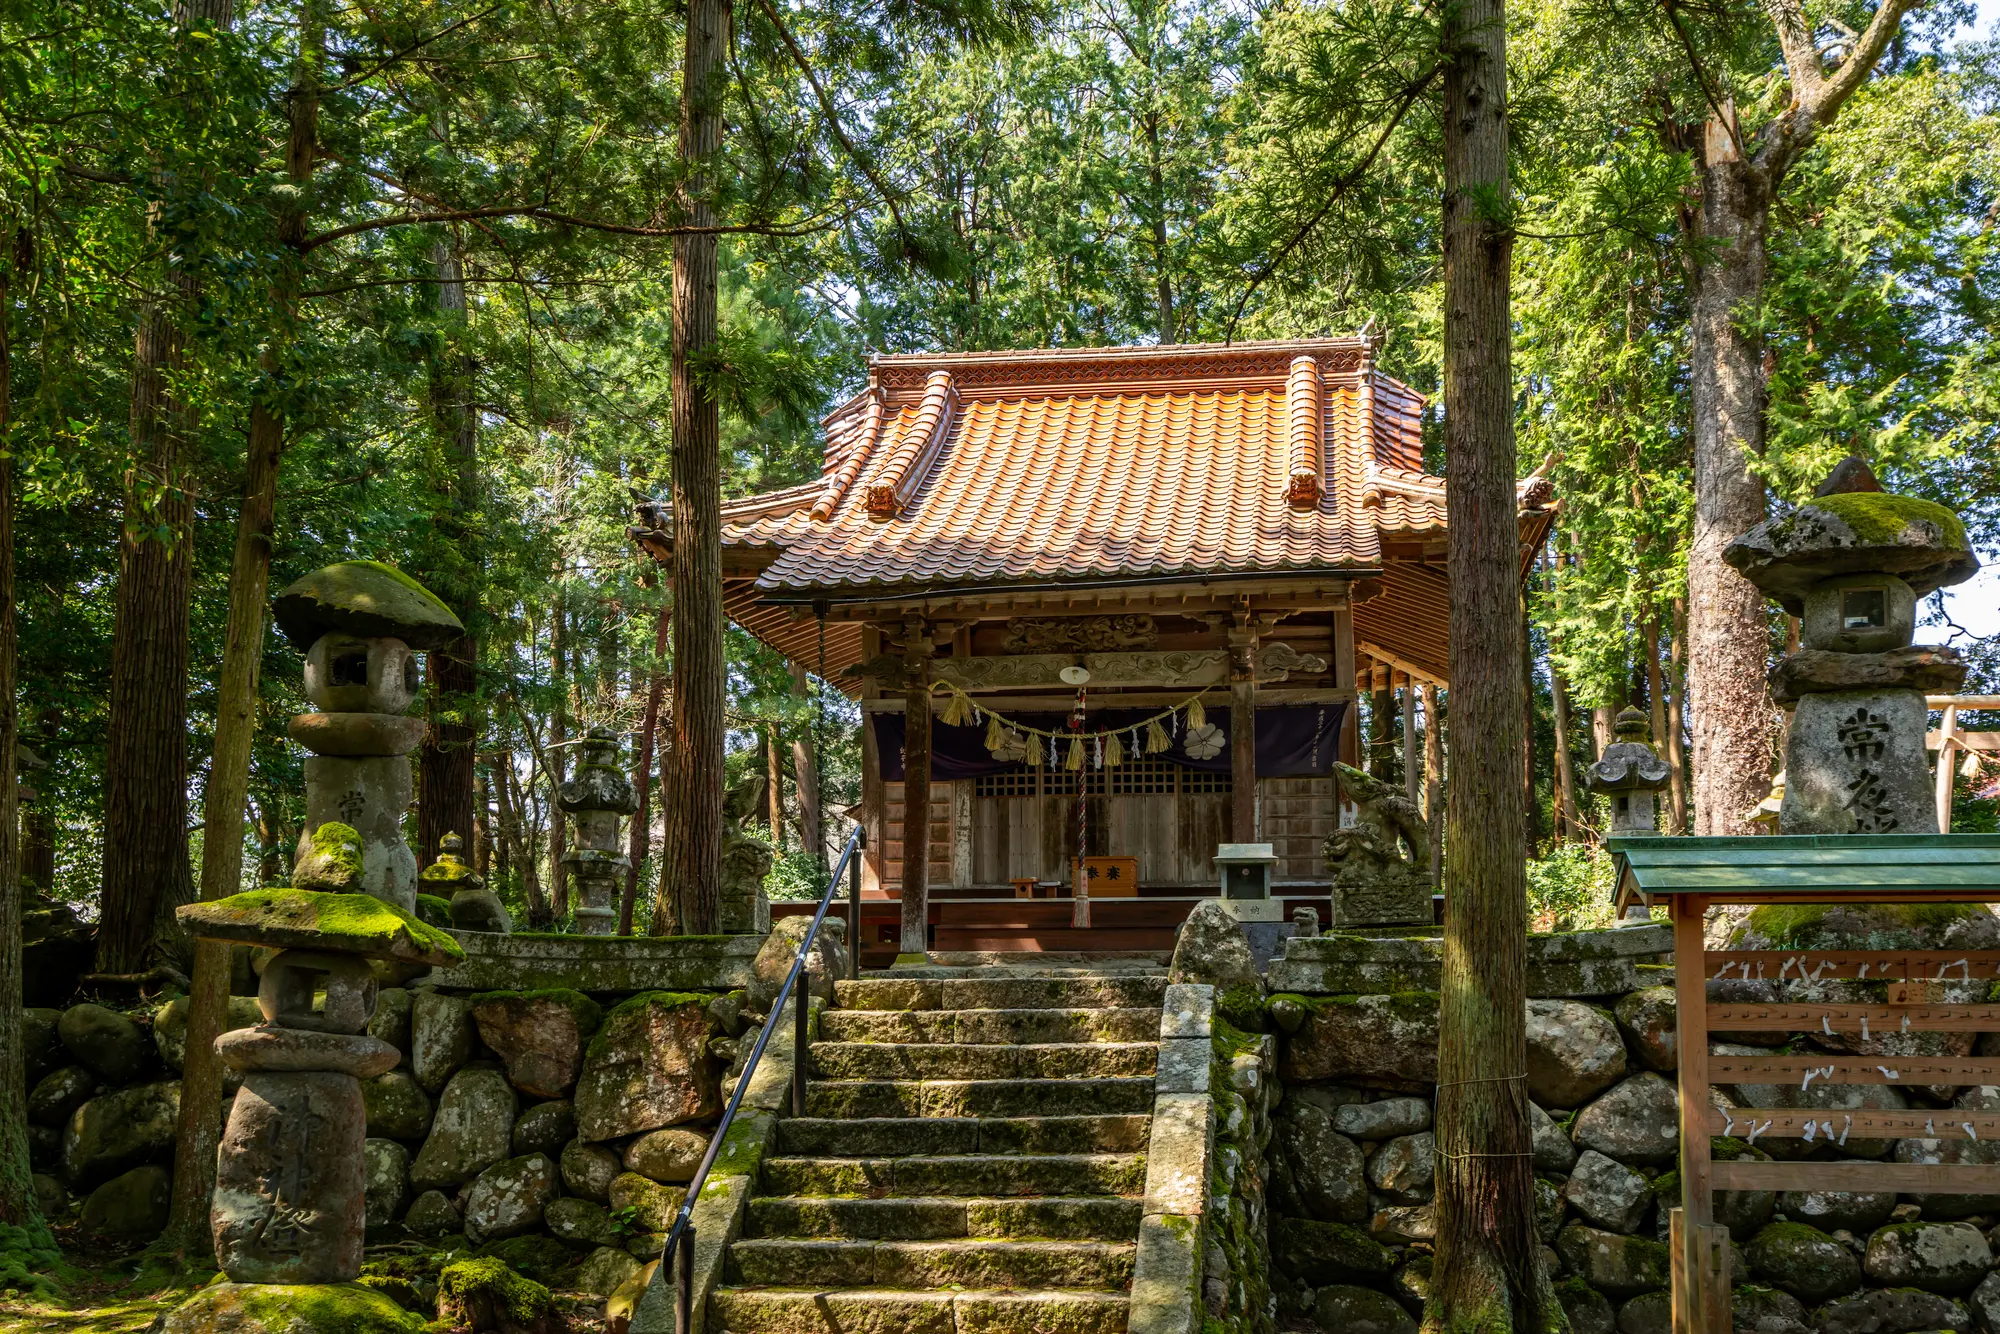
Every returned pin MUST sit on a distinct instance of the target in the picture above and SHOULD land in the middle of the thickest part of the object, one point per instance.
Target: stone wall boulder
(1387, 1042)
(508, 1198)
(1321, 1253)
(1946, 1258)
(1834, 1211)
(386, 1181)
(432, 1214)
(545, 1128)
(131, 1204)
(441, 1037)
(1896, 1310)
(589, 1169)
(648, 1067)
(1355, 1310)
(1574, 1053)
(539, 1036)
(170, 1026)
(1637, 1122)
(1405, 1168)
(826, 963)
(1327, 1170)
(1804, 1262)
(1615, 1264)
(1211, 949)
(1608, 1193)
(398, 1107)
(669, 1155)
(1553, 1150)
(1383, 1119)
(473, 1130)
(1646, 1018)
(120, 1130)
(110, 1044)
(56, 1095)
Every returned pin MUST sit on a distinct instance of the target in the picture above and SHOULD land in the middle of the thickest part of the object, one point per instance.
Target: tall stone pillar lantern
(595, 798)
(1851, 563)
(360, 623)
(1630, 772)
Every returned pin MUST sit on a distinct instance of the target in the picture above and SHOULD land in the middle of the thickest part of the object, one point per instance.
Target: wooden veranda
(1079, 541)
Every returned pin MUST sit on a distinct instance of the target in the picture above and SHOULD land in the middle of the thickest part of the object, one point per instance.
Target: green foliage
(1570, 889)
(26, 1258)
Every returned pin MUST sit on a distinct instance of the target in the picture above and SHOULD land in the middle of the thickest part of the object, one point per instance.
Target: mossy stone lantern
(361, 624)
(1851, 563)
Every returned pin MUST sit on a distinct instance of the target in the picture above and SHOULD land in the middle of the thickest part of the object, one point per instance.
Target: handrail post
(854, 903)
(684, 1282)
(801, 1047)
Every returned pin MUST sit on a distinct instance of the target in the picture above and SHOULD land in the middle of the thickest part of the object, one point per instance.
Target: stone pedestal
(1855, 764)
(369, 796)
(595, 798)
(288, 1202)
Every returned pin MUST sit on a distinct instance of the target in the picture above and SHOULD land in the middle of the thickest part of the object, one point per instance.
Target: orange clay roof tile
(1080, 464)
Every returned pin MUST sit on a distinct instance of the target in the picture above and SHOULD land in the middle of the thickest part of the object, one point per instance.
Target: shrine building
(1011, 558)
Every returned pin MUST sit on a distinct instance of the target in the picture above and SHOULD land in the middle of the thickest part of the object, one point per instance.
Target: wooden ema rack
(1690, 875)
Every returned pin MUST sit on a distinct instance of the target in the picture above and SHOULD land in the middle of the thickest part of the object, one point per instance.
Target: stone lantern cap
(313, 920)
(1857, 529)
(600, 784)
(365, 598)
(1630, 764)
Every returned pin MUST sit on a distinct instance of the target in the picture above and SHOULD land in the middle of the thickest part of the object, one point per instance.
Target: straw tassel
(1075, 760)
(1114, 751)
(1156, 737)
(996, 732)
(1197, 717)
(958, 709)
(1035, 753)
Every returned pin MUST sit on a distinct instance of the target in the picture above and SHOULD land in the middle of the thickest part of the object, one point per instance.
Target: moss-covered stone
(1321, 1253)
(483, 1293)
(434, 911)
(536, 1256)
(277, 1308)
(1882, 516)
(367, 598)
(331, 861)
(1855, 532)
(1803, 1261)
(308, 919)
(1873, 926)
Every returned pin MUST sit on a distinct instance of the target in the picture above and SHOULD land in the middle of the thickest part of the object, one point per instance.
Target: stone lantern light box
(1243, 871)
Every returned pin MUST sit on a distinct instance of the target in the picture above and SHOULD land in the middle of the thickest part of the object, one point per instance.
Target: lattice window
(1201, 780)
(1150, 776)
(1020, 782)
(1146, 776)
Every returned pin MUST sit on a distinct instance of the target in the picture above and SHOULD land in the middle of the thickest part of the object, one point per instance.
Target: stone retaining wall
(1353, 1162)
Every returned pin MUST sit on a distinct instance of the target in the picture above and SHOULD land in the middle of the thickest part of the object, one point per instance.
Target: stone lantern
(1850, 563)
(474, 907)
(360, 624)
(289, 1201)
(595, 798)
(1630, 772)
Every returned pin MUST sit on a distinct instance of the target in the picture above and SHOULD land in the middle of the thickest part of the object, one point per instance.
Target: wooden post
(1243, 731)
(1694, 1281)
(1434, 780)
(1413, 776)
(1343, 675)
(874, 811)
(1381, 704)
(916, 794)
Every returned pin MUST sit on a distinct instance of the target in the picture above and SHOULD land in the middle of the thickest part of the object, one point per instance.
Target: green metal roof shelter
(1809, 868)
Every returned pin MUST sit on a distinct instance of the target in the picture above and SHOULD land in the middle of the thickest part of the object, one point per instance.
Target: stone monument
(360, 624)
(288, 1205)
(1374, 882)
(1851, 563)
(1630, 772)
(595, 798)
(474, 907)
(746, 861)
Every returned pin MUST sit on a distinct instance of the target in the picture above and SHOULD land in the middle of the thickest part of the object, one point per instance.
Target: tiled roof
(978, 468)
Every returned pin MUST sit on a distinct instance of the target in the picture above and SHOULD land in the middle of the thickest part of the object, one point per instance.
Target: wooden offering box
(1687, 876)
(1111, 877)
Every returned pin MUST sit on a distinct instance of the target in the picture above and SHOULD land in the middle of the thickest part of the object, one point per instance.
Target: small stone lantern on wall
(1244, 873)
(595, 799)
(1851, 563)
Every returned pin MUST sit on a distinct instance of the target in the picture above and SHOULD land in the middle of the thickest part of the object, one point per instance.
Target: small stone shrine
(1374, 882)
(360, 624)
(289, 1201)
(1851, 563)
(474, 907)
(595, 798)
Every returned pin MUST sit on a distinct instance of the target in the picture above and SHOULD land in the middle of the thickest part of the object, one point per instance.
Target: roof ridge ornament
(1305, 431)
(919, 447)
(850, 468)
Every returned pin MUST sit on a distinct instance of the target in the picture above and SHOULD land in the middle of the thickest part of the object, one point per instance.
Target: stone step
(853, 1100)
(932, 1218)
(950, 1060)
(888, 1311)
(891, 1137)
(844, 1263)
(1096, 1024)
(962, 1174)
(1001, 993)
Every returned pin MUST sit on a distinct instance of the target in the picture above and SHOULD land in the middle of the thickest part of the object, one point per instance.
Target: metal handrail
(680, 1239)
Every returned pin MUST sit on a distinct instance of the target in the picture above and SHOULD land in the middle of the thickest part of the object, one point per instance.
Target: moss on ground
(327, 1308)
(518, 1300)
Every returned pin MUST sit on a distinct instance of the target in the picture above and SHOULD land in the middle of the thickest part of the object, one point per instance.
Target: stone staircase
(973, 1161)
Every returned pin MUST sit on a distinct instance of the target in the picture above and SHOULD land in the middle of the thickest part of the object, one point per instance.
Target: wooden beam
(1853, 1070)
(1860, 1177)
(1400, 663)
(1268, 697)
(1962, 701)
(1850, 1018)
(1939, 1123)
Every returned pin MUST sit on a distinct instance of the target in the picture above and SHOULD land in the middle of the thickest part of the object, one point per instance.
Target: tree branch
(541, 214)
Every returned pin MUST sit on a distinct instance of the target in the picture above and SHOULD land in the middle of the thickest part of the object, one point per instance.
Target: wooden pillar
(1434, 780)
(1699, 1248)
(1381, 712)
(874, 804)
(1243, 731)
(916, 793)
(1413, 777)
(1343, 677)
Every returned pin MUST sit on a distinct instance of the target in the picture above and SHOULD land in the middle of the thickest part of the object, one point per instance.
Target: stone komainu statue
(1375, 883)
